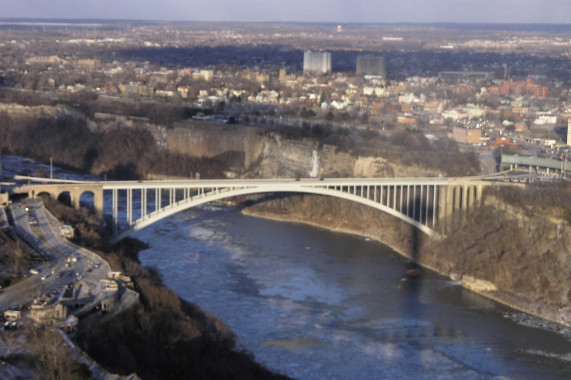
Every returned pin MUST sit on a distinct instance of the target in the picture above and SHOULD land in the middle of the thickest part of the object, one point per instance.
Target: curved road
(45, 238)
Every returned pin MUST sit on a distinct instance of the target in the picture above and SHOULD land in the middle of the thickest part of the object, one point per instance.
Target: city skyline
(342, 11)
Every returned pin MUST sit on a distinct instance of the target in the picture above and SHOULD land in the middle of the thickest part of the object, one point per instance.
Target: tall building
(316, 62)
(527, 87)
(466, 135)
(371, 65)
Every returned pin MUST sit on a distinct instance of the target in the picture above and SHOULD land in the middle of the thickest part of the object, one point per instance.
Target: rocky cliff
(212, 140)
(269, 155)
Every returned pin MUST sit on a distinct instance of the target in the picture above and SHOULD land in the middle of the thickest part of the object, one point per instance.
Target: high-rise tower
(371, 65)
(316, 62)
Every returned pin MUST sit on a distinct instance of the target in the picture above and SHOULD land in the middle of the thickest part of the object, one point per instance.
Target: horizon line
(420, 23)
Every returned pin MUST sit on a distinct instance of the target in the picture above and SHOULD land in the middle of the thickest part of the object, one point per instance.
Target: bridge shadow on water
(413, 281)
(412, 325)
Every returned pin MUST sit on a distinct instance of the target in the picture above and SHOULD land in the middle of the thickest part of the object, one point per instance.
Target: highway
(45, 237)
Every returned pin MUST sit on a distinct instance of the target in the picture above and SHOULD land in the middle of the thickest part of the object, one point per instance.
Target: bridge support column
(98, 204)
(158, 202)
(130, 206)
(115, 212)
(443, 203)
(143, 203)
(74, 199)
(457, 197)
(407, 199)
(428, 203)
(420, 208)
(465, 196)
(479, 191)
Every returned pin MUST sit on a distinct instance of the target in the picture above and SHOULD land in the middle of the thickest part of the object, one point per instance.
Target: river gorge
(311, 303)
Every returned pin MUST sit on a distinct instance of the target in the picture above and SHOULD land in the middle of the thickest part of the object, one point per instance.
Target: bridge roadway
(422, 202)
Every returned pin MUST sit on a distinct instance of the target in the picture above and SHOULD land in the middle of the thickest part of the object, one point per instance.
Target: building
(48, 314)
(284, 76)
(206, 75)
(513, 88)
(316, 62)
(371, 65)
(5, 198)
(569, 132)
(52, 59)
(466, 135)
(89, 63)
(466, 76)
(67, 231)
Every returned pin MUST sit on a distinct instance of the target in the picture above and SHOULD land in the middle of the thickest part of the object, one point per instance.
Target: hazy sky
(493, 11)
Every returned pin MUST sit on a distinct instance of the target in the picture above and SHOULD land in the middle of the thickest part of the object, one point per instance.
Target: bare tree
(17, 258)
(54, 359)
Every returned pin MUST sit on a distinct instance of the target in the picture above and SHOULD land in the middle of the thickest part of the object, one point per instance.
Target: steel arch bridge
(421, 202)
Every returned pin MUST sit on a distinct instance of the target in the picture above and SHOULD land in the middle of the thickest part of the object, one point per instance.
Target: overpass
(535, 164)
(133, 205)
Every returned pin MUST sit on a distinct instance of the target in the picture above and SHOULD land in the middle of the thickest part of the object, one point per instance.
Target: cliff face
(268, 155)
(525, 256)
(246, 151)
(517, 258)
(211, 140)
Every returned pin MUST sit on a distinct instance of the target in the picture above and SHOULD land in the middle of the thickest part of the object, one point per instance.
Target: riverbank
(163, 336)
(528, 272)
(157, 335)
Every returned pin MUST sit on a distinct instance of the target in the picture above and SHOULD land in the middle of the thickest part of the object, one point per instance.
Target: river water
(315, 304)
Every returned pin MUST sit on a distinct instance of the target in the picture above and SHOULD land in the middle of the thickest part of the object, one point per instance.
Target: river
(316, 304)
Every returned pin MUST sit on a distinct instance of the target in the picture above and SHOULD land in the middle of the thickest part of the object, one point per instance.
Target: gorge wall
(269, 155)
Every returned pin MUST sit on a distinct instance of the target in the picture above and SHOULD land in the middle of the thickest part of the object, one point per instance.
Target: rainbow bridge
(133, 205)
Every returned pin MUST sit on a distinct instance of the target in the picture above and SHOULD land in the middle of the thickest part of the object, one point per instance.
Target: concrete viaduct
(133, 205)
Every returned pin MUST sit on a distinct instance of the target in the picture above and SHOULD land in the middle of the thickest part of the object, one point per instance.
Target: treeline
(157, 112)
(162, 336)
(119, 153)
(550, 199)
(89, 230)
(88, 103)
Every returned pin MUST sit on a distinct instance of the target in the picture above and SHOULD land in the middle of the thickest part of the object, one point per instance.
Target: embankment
(162, 336)
(518, 259)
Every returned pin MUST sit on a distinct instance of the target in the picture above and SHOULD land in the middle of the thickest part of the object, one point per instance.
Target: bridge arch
(65, 197)
(416, 207)
(87, 199)
(46, 194)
